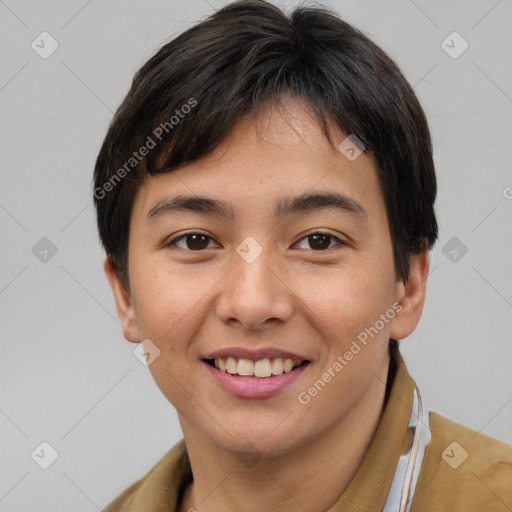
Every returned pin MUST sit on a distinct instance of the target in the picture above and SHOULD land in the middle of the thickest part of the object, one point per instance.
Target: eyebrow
(303, 203)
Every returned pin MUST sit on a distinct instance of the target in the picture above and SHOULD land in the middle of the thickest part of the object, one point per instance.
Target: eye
(193, 241)
(321, 241)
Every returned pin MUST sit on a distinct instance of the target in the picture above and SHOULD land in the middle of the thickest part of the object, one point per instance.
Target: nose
(255, 294)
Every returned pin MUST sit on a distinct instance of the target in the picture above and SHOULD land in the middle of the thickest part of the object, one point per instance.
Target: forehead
(270, 161)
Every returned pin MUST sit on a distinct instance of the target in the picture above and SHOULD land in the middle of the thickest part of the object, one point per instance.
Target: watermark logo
(249, 455)
(44, 250)
(146, 352)
(44, 45)
(44, 455)
(352, 147)
(454, 455)
(249, 250)
(454, 249)
(454, 45)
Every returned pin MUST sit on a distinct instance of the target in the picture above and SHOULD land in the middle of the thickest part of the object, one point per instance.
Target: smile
(249, 378)
(262, 368)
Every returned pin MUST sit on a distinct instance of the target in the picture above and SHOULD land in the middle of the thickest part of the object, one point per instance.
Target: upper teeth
(261, 368)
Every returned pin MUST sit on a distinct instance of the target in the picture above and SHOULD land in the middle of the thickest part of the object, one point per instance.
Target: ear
(411, 296)
(124, 305)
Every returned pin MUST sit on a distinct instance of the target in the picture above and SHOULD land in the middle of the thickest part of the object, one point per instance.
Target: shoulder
(463, 471)
(159, 488)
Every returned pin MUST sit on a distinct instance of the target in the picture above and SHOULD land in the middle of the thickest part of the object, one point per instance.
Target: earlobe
(411, 296)
(124, 304)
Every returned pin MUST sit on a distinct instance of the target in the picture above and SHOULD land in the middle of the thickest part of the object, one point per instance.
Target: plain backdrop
(68, 377)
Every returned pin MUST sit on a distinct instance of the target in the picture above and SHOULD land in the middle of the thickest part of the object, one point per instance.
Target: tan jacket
(449, 481)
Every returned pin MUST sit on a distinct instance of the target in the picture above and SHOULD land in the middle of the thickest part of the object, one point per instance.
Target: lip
(255, 355)
(255, 387)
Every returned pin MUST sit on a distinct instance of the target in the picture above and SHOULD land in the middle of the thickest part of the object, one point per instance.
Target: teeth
(261, 368)
(277, 366)
(231, 365)
(288, 365)
(245, 367)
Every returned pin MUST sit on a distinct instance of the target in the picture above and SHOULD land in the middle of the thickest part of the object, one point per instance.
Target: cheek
(347, 318)
(347, 300)
(169, 313)
(165, 301)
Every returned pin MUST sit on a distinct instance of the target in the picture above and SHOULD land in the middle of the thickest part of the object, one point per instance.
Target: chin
(264, 439)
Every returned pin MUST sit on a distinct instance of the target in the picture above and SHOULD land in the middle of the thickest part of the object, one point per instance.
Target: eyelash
(172, 242)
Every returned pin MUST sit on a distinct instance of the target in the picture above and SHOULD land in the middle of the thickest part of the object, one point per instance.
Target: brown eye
(196, 242)
(199, 241)
(321, 241)
(193, 241)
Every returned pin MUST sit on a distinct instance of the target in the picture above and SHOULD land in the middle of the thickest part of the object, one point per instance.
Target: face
(265, 278)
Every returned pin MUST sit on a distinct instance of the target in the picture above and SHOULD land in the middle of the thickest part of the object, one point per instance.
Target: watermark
(44, 250)
(454, 249)
(454, 45)
(352, 147)
(44, 45)
(249, 455)
(44, 455)
(304, 397)
(249, 249)
(454, 455)
(146, 352)
(143, 151)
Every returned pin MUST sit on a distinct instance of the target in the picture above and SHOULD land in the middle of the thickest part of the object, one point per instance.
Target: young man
(265, 196)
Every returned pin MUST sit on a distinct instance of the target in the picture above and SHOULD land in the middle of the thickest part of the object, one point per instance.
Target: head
(267, 183)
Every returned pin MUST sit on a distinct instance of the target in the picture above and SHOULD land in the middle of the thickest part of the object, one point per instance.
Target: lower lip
(255, 387)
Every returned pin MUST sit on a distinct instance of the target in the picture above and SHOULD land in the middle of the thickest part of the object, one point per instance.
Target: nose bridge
(253, 292)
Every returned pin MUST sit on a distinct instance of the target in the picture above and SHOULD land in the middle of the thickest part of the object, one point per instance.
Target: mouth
(255, 373)
(256, 369)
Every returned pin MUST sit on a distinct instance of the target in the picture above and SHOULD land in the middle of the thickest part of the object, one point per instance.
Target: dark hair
(187, 97)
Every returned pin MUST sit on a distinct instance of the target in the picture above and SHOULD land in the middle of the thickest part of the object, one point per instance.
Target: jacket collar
(369, 488)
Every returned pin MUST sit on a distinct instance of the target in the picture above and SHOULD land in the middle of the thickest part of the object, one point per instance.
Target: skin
(294, 296)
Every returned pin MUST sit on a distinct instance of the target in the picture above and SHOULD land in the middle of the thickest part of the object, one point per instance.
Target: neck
(301, 479)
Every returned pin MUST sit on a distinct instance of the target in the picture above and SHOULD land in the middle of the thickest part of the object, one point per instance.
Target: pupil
(196, 241)
(318, 237)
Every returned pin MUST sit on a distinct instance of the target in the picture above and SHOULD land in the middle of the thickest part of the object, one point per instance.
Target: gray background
(69, 378)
